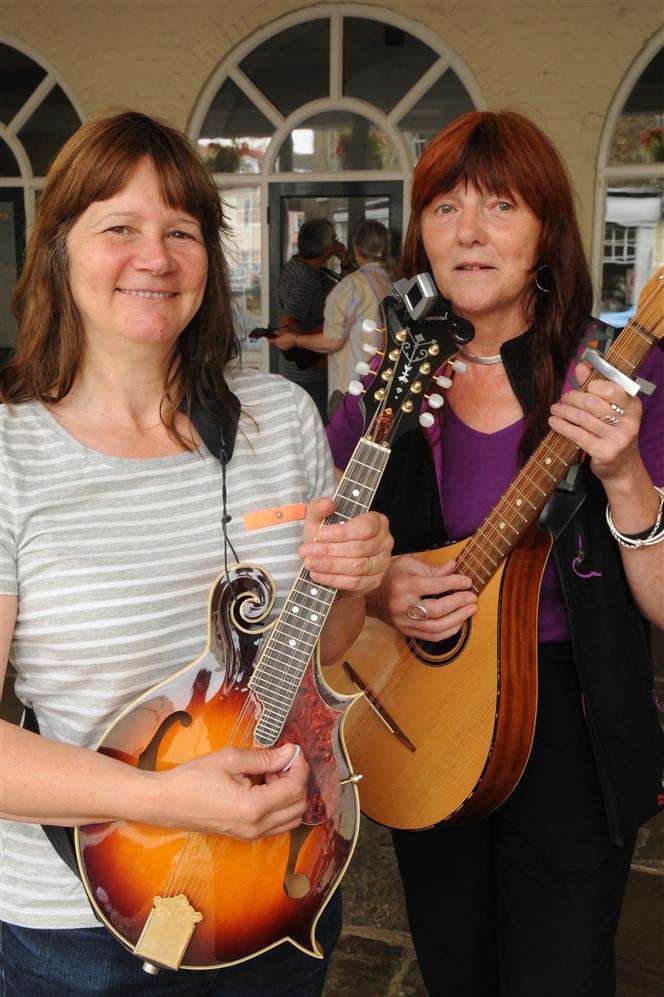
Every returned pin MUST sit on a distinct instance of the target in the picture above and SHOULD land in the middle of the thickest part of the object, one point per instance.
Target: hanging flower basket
(652, 141)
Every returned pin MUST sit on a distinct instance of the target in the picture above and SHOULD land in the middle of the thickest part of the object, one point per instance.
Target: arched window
(37, 115)
(325, 95)
(629, 227)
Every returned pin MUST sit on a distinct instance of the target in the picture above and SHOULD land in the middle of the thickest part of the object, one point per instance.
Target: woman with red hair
(526, 901)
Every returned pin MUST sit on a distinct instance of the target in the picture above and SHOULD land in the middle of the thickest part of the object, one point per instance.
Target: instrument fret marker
(295, 609)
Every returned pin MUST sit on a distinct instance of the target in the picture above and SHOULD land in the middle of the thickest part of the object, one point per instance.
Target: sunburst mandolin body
(444, 730)
(251, 895)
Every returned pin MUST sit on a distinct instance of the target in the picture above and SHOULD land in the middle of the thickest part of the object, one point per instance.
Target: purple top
(478, 467)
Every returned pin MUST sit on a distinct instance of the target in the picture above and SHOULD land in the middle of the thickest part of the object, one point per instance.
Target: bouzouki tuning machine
(458, 366)
(362, 368)
(356, 388)
(426, 420)
(369, 326)
(371, 350)
(443, 382)
(631, 385)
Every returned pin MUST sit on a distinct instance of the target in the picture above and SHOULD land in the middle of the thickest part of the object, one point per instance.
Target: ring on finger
(611, 419)
(617, 409)
(370, 566)
(417, 611)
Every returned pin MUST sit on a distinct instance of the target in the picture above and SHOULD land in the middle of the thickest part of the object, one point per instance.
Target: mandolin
(444, 730)
(183, 899)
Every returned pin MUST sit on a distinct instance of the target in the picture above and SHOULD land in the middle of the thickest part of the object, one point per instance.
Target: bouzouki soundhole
(440, 652)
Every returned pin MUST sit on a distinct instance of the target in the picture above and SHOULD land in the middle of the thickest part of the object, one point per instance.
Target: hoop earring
(544, 290)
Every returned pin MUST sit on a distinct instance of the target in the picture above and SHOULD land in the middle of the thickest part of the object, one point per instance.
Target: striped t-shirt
(355, 298)
(112, 559)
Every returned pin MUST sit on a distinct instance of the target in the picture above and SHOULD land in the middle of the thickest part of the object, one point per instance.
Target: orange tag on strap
(273, 517)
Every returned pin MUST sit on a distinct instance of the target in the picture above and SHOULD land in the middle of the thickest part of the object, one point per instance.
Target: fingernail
(296, 751)
(286, 748)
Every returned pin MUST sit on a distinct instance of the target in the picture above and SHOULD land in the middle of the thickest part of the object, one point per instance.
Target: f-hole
(148, 758)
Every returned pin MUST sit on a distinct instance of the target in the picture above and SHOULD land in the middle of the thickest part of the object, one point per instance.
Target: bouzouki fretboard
(526, 496)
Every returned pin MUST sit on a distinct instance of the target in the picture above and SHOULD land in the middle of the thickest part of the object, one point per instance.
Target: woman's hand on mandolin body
(223, 792)
(444, 593)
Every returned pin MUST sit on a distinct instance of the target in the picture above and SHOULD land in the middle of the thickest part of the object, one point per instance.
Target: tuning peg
(371, 350)
(362, 368)
(355, 388)
(435, 401)
(368, 326)
(427, 420)
(459, 366)
(443, 382)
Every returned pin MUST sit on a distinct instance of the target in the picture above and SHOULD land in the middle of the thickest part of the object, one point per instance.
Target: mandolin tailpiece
(167, 931)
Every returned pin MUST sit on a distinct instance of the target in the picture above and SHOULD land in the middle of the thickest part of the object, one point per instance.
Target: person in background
(355, 298)
(301, 294)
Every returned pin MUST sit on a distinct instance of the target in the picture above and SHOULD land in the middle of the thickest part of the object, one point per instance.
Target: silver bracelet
(655, 536)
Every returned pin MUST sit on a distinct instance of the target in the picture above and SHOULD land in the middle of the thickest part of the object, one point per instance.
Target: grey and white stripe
(112, 559)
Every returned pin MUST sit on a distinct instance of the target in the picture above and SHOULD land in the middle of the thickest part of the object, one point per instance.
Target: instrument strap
(565, 501)
(62, 838)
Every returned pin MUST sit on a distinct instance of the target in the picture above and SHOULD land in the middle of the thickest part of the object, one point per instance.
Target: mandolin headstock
(414, 367)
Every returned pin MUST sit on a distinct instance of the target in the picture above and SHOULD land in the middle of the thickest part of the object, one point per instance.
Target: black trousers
(526, 902)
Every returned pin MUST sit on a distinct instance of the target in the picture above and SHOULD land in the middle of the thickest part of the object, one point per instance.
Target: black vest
(610, 639)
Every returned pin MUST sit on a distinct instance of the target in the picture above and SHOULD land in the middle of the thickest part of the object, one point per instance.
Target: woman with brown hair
(116, 513)
(526, 902)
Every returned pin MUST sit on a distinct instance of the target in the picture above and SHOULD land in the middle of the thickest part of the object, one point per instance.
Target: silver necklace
(474, 358)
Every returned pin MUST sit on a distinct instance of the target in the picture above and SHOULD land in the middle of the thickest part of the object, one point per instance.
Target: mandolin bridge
(378, 708)
(167, 931)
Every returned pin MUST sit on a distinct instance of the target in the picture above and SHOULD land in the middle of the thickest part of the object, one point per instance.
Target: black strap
(62, 838)
(210, 415)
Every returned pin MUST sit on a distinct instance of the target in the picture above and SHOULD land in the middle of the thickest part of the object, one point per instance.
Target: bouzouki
(183, 899)
(444, 729)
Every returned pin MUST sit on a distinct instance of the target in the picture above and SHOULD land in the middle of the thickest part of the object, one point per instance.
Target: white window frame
(607, 173)
(9, 133)
(388, 123)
